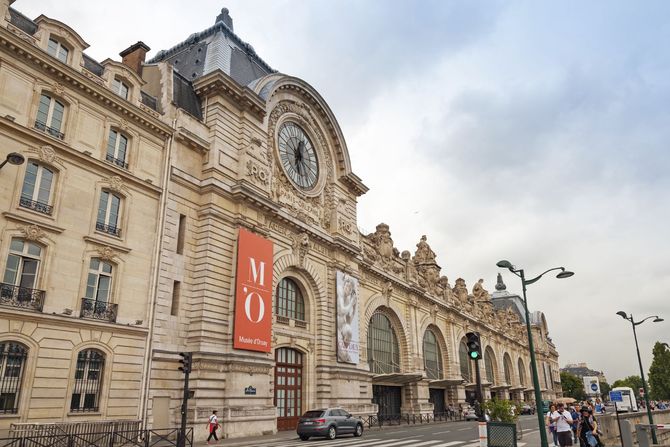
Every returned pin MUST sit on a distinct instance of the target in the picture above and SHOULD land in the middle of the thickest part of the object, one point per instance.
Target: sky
(536, 132)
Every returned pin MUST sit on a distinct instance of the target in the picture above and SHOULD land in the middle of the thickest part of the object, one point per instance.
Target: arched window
(37, 188)
(12, 363)
(383, 350)
(117, 147)
(522, 373)
(432, 357)
(290, 303)
(489, 363)
(50, 116)
(507, 367)
(464, 360)
(87, 381)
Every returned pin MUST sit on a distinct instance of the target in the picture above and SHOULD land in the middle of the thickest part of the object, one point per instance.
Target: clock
(298, 156)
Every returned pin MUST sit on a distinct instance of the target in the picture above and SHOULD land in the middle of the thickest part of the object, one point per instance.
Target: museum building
(203, 202)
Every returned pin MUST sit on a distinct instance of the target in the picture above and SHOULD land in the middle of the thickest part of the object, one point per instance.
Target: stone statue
(410, 269)
(461, 290)
(424, 254)
(479, 292)
(445, 287)
(383, 243)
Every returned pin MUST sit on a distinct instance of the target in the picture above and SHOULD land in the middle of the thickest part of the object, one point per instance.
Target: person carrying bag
(212, 426)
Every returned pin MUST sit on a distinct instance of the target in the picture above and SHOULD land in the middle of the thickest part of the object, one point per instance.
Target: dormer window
(120, 88)
(57, 50)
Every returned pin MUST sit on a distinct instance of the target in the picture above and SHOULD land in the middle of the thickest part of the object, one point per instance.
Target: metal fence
(167, 437)
(73, 428)
(501, 434)
(408, 419)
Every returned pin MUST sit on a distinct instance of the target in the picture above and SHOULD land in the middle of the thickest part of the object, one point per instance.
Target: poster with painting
(347, 319)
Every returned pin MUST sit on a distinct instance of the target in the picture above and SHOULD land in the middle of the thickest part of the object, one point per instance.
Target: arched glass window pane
(289, 301)
(87, 381)
(432, 357)
(383, 350)
(12, 363)
(490, 369)
(464, 360)
(522, 373)
(507, 366)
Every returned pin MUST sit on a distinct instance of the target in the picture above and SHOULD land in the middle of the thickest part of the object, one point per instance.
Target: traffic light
(474, 345)
(185, 361)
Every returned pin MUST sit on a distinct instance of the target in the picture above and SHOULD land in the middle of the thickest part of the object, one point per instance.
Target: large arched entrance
(288, 387)
(384, 359)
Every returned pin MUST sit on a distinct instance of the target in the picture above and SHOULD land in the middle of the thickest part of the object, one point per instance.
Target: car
(470, 415)
(527, 409)
(328, 423)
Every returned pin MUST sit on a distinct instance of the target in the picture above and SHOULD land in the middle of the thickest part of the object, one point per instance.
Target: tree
(572, 386)
(502, 410)
(659, 372)
(634, 382)
(605, 389)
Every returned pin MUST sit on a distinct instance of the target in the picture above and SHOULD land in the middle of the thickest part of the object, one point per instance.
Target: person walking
(563, 420)
(213, 425)
(551, 424)
(587, 429)
(575, 423)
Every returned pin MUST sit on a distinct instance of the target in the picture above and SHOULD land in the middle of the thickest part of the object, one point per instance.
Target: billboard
(253, 293)
(591, 385)
(347, 319)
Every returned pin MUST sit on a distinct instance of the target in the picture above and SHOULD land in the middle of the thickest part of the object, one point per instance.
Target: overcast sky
(531, 131)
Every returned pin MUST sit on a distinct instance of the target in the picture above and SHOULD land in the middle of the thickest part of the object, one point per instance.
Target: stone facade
(203, 162)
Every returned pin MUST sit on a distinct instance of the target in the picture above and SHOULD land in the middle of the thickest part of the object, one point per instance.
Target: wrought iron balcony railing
(117, 161)
(49, 130)
(22, 297)
(34, 205)
(98, 310)
(109, 229)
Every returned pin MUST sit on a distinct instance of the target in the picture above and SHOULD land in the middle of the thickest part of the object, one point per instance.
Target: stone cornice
(355, 184)
(42, 139)
(219, 83)
(21, 49)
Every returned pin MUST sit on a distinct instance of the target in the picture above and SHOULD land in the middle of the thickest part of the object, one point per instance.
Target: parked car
(527, 409)
(329, 423)
(470, 415)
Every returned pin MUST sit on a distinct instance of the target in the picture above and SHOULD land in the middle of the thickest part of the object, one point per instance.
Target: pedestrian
(575, 422)
(586, 432)
(563, 421)
(551, 424)
(212, 426)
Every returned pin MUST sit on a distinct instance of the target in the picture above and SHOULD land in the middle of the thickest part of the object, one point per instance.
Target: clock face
(297, 156)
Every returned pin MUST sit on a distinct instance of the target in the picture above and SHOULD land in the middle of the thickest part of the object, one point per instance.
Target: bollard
(626, 434)
(642, 435)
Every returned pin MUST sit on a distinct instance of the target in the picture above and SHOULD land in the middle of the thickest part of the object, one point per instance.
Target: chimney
(134, 56)
(225, 18)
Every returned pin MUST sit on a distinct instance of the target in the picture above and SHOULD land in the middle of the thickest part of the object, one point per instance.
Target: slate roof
(217, 47)
(93, 66)
(184, 96)
(22, 22)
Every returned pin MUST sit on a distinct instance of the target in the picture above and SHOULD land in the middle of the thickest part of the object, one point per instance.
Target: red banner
(253, 293)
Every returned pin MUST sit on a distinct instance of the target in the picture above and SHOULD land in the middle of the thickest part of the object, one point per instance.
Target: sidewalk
(252, 441)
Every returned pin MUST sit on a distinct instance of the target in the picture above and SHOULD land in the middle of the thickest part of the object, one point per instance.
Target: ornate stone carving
(123, 124)
(479, 292)
(32, 232)
(387, 291)
(257, 173)
(500, 285)
(433, 311)
(58, 88)
(301, 246)
(446, 291)
(382, 252)
(115, 183)
(411, 274)
(107, 253)
(424, 254)
(47, 154)
(461, 290)
(428, 270)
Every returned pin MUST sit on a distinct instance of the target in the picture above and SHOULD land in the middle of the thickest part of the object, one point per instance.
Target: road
(450, 434)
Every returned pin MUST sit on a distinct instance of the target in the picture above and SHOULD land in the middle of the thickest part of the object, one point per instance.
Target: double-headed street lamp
(656, 319)
(536, 380)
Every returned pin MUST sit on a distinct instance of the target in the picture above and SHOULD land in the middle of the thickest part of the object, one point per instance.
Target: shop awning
(397, 378)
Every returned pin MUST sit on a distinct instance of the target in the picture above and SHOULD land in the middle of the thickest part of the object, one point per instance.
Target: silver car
(328, 422)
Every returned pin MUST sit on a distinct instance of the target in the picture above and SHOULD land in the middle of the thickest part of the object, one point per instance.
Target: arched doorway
(384, 358)
(288, 387)
(432, 359)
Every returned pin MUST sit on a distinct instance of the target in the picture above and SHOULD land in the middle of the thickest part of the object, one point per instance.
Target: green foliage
(659, 372)
(572, 386)
(605, 389)
(502, 410)
(634, 382)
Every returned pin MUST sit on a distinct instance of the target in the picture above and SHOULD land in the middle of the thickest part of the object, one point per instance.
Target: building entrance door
(288, 388)
(436, 397)
(389, 400)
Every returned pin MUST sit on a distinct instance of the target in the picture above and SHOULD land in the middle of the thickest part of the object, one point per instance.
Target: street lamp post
(634, 323)
(536, 380)
(13, 158)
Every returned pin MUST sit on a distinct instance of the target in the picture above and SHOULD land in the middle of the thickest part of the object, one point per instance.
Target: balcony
(109, 229)
(49, 130)
(21, 297)
(98, 310)
(116, 161)
(34, 205)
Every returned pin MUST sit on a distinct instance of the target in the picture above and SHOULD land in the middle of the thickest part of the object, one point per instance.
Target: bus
(629, 403)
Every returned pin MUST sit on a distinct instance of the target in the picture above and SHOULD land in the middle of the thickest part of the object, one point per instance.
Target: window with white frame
(117, 146)
(12, 363)
(109, 210)
(37, 185)
(50, 115)
(87, 381)
(22, 266)
(57, 50)
(120, 88)
(99, 282)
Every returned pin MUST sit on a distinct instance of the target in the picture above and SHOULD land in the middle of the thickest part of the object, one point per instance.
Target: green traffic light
(474, 355)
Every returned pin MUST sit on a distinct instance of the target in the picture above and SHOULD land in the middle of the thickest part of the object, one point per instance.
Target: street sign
(616, 396)
(594, 387)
